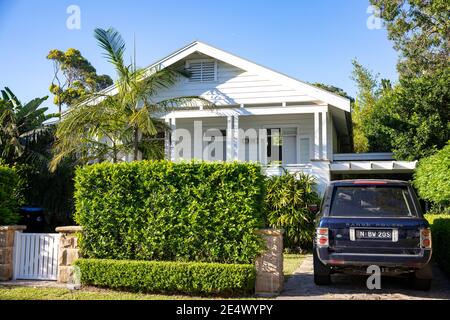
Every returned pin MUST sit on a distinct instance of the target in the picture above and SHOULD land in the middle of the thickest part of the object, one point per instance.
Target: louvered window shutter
(202, 71)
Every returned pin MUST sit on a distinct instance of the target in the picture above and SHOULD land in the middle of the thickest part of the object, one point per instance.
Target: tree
(432, 179)
(74, 77)
(110, 125)
(21, 126)
(413, 116)
(420, 30)
(367, 84)
(25, 142)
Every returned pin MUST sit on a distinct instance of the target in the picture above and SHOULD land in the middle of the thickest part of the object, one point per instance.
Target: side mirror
(313, 208)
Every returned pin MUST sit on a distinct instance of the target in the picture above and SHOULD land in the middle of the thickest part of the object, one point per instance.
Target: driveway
(301, 286)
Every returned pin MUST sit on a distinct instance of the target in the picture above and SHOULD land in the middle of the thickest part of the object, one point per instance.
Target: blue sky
(310, 40)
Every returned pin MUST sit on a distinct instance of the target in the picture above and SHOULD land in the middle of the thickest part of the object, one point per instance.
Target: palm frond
(114, 46)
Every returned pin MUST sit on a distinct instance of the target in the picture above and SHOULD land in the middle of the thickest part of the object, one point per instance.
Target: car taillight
(322, 237)
(425, 238)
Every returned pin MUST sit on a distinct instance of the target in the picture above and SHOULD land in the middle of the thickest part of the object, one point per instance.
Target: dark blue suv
(372, 222)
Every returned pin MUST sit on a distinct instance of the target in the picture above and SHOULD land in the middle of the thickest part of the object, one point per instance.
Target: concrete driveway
(344, 287)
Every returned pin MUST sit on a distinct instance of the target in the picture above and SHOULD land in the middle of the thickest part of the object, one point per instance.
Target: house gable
(241, 82)
(227, 85)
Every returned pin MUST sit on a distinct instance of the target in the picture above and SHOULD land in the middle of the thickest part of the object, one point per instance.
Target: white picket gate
(36, 256)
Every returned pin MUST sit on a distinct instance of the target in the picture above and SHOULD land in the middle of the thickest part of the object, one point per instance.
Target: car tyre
(322, 273)
(421, 279)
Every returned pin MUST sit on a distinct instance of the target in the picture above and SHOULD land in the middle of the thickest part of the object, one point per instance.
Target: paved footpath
(301, 286)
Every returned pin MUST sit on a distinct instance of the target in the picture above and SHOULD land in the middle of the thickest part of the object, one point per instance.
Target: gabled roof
(201, 47)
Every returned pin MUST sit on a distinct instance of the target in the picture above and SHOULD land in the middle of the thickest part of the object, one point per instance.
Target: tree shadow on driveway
(348, 287)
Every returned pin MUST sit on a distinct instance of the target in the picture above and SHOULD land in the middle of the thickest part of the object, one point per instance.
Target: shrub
(159, 210)
(168, 276)
(440, 232)
(432, 179)
(286, 206)
(10, 197)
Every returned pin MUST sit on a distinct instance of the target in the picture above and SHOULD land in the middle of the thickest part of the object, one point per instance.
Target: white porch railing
(277, 170)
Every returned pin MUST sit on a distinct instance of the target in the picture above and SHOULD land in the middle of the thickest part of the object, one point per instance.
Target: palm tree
(111, 123)
(21, 127)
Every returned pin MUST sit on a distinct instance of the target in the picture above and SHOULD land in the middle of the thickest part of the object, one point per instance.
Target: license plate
(373, 234)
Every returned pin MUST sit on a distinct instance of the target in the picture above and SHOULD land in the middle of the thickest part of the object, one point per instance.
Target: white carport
(370, 163)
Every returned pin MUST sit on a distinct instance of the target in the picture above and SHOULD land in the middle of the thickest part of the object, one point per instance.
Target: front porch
(290, 136)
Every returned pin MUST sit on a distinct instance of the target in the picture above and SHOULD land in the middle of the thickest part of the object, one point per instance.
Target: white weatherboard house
(264, 116)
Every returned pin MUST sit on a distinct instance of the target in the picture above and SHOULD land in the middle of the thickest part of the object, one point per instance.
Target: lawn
(87, 293)
(291, 262)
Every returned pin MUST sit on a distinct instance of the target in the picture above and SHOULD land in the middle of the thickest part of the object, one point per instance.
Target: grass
(87, 293)
(291, 262)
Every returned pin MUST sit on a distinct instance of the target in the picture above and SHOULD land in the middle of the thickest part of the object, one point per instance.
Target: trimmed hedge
(432, 180)
(440, 233)
(159, 210)
(10, 197)
(168, 276)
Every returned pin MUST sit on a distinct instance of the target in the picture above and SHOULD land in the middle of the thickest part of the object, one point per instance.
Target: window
(372, 201)
(305, 155)
(202, 70)
(282, 145)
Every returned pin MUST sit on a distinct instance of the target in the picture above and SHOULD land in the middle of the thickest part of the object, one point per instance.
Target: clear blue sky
(311, 40)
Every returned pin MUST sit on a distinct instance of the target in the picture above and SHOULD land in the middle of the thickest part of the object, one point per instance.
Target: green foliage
(25, 142)
(158, 210)
(10, 195)
(410, 119)
(363, 106)
(21, 127)
(74, 77)
(440, 233)
(413, 116)
(432, 179)
(286, 206)
(420, 32)
(168, 276)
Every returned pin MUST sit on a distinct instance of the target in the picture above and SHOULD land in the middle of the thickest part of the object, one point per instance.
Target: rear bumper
(406, 261)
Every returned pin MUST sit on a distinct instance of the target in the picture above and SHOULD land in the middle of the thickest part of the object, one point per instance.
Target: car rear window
(372, 201)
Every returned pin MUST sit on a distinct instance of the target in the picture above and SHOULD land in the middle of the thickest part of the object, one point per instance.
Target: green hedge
(432, 180)
(168, 276)
(440, 233)
(159, 210)
(10, 197)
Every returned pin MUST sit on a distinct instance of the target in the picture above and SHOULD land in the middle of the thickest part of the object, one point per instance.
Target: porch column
(316, 136)
(167, 139)
(198, 140)
(229, 138)
(235, 144)
(173, 128)
(324, 135)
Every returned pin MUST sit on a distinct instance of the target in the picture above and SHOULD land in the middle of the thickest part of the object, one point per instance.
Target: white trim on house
(246, 111)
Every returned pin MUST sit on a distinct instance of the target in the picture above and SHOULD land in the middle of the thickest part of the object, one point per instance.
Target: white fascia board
(256, 111)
